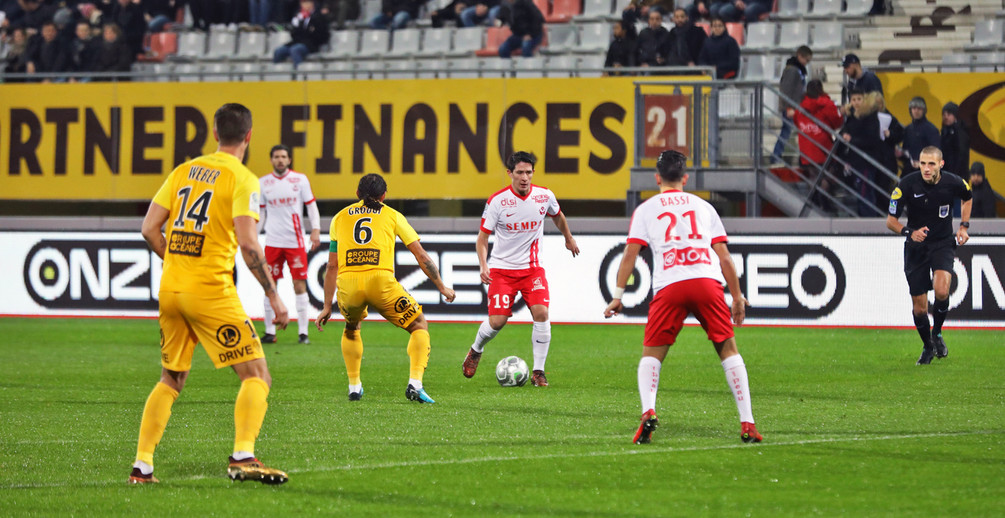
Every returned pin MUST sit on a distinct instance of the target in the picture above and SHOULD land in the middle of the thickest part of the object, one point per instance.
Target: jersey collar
(518, 194)
(280, 177)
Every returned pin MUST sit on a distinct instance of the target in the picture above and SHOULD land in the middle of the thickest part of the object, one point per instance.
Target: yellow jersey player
(210, 207)
(361, 264)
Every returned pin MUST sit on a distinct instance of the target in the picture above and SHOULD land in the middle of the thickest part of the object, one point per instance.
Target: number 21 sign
(666, 124)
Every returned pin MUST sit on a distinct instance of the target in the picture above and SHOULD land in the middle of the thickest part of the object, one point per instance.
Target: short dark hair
(814, 89)
(282, 147)
(521, 156)
(232, 122)
(670, 165)
(855, 91)
(371, 187)
(804, 51)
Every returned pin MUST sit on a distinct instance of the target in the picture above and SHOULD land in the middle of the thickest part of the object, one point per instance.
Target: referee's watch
(965, 224)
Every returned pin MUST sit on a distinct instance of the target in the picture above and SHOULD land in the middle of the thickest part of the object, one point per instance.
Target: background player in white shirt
(285, 192)
(690, 263)
(516, 216)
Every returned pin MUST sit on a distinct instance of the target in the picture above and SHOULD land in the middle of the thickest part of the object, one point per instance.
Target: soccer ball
(511, 371)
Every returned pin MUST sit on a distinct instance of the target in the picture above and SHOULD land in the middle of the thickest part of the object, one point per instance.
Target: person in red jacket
(814, 141)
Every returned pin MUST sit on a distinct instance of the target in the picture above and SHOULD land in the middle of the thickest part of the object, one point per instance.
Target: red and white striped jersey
(518, 224)
(680, 229)
(283, 200)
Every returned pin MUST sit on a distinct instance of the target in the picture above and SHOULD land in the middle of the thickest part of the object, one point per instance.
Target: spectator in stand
(485, 12)
(84, 51)
(859, 78)
(815, 142)
(702, 8)
(861, 128)
(918, 135)
(16, 60)
(653, 41)
(739, 10)
(395, 14)
(621, 52)
(452, 12)
(891, 132)
(721, 51)
(984, 204)
(31, 16)
(158, 13)
(309, 31)
(792, 85)
(640, 9)
(47, 54)
(527, 24)
(115, 54)
(685, 41)
(955, 141)
(128, 16)
(338, 11)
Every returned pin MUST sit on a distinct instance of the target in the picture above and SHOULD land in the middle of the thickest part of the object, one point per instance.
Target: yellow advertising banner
(432, 138)
(981, 100)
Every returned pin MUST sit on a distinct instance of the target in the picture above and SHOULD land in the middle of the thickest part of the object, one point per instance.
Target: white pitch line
(474, 460)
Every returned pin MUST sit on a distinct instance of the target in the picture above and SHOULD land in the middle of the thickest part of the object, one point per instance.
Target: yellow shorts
(218, 322)
(379, 289)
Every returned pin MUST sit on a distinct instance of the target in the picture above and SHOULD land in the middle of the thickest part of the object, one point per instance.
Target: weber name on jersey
(518, 224)
(680, 229)
(283, 201)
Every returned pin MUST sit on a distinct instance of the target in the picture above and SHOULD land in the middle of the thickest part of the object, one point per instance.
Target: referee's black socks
(940, 310)
(921, 322)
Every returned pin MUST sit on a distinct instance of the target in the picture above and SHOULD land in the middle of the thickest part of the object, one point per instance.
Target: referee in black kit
(929, 195)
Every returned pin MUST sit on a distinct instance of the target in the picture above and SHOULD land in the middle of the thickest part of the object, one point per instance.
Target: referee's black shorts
(921, 259)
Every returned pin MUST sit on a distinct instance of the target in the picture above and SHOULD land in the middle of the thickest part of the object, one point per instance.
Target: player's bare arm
(563, 227)
(624, 272)
(315, 239)
(331, 275)
(153, 222)
(482, 249)
(315, 218)
(963, 234)
(739, 307)
(246, 231)
(917, 235)
(429, 268)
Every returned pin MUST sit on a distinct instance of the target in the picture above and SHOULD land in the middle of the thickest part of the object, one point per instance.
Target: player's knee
(418, 324)
(497, 322)
(299, 287)
(174, 379)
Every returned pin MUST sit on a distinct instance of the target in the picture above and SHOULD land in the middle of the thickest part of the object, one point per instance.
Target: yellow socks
(352, 353)
(418, 353)
(156, 413)
(249, 412)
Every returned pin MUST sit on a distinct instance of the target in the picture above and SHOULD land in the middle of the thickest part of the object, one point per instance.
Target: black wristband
(906, 231)
(965, 224)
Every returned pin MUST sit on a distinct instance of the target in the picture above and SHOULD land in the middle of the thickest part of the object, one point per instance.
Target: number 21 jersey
(680, 229)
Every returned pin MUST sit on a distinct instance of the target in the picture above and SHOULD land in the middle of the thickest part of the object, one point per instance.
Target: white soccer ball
(511, 371)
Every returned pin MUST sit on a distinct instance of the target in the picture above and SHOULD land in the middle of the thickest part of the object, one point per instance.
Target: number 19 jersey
(680, 229)
(364, 237)
(203, 196)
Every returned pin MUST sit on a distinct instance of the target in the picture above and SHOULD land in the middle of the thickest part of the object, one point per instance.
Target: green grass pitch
(852, 427)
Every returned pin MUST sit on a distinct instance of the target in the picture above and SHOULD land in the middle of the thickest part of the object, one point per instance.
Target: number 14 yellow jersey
(364, 237)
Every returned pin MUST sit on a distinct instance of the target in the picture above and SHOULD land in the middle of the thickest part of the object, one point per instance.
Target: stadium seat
(594, 37)
(562, 38)
(464, 68)
(988, 34)
(596, 10)
(277, 71)
(339, 70)
(248, 71)
(561, 66)
(494, 37)
(215, 72)
(370, 9)
(964, 62)
(827, 36)
(252, 45)
(221, 44)
(793, 34)
(435, 42)
(708, 30)
(343, 44)
(563, 10)
(431, 68)
(590, 66)
(761, 36)
(404, 43)
(159, 72)
(498, 67)
(528, 67)
(989, 61)
(191, 45)
(856, 8)
(758, 67)
(369, 69)
(545, 7)
(734, 29)
(467, 41)
(276, 40)
(825, 8)
(400, 68)
(187, 72)
(374, 43)
(162, 45)
(791, 9)
(311, 71)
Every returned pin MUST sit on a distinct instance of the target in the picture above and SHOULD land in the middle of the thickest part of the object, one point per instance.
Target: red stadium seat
(735, 29)
(162, 45)
(494, 36)
(563, 11)
(544, 6)
(706, 27)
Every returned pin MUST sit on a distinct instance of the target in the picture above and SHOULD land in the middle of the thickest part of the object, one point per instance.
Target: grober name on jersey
(355, 211)
(202, 174)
